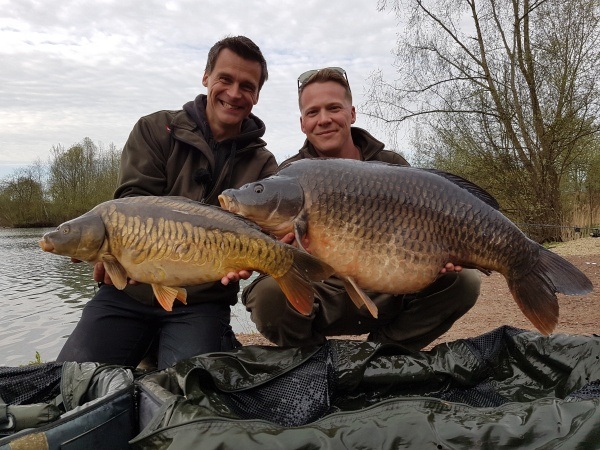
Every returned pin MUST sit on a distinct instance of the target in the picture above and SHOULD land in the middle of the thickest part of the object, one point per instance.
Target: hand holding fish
(236, 276)
(290, 239)
(450, 267)
(101, 276)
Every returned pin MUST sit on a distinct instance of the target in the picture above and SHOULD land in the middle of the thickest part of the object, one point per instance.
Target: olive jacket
(173, 153)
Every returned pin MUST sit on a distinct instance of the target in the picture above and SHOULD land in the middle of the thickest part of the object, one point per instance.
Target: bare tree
(81, 176)
(506, 91)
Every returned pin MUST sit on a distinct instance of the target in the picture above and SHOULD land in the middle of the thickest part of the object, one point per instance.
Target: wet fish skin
(390, 229)
(171, 242)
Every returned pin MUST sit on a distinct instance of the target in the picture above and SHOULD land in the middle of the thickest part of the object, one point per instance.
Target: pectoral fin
(359, 297)
(115, 271)
(166, 295)
(300, 228)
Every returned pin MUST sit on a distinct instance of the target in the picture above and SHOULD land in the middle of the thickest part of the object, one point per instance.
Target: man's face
(326, 117)
(232, 92)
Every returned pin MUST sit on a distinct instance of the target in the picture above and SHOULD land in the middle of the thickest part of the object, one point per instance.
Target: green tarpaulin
(505, 389)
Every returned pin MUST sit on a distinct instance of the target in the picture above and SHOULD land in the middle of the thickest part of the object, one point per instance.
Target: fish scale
(390, 229)
(372, 217)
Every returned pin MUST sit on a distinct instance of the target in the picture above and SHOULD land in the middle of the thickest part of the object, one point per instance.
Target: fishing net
(35, 383)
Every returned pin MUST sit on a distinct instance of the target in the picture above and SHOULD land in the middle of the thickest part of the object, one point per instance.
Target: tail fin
(535, 292)
(295, 283)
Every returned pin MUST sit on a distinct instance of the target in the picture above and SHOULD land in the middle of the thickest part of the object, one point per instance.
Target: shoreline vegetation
(76, 179)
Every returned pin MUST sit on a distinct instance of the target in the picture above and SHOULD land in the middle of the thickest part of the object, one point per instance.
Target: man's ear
(205, 79)
(302, 125)
(255, 101)
(353, 115)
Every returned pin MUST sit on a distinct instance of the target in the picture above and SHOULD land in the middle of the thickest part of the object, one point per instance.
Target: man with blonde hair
(412, 320)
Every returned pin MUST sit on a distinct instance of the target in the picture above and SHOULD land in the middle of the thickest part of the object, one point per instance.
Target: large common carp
(170, 242)
(391, 229)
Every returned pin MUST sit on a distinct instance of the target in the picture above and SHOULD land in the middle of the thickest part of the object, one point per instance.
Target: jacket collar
(195, 120)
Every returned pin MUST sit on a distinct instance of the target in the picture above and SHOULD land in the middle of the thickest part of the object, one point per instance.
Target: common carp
(171, 242)
(390, 229)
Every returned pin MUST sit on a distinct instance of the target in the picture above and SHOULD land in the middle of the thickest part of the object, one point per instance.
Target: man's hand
(100, 275)
(236, 276)
(450, 267)
(290, 238)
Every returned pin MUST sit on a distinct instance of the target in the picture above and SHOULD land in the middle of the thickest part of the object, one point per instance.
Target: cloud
(75, 69)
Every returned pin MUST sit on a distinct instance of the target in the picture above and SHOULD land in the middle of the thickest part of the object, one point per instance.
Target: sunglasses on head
(304, 77)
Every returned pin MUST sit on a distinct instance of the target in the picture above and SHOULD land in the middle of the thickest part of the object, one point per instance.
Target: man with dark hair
(212, 144)
(413, 320)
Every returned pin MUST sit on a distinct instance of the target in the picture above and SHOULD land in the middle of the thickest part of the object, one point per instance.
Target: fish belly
(195, 255)
(385, 263)
(168, 272)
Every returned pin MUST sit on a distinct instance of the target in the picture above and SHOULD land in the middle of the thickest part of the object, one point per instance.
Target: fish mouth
(228, 203)
(46, 246)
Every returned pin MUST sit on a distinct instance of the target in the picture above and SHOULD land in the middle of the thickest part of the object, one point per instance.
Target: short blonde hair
(323, 76)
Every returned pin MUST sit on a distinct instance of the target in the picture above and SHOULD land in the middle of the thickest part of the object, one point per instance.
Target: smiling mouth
(229, 106)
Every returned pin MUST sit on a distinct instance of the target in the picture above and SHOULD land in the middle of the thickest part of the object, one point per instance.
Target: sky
(75, 69)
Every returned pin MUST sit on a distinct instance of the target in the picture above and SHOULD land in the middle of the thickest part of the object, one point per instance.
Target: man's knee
(463, 292)
(263, 295)
(275, 318)
(467, 287)
(266, 302)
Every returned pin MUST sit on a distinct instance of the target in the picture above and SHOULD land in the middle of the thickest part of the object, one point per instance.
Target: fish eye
(66, 229)
(259, 188)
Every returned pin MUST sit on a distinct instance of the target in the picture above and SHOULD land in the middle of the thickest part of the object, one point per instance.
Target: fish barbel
(390, 229)
(171, 242)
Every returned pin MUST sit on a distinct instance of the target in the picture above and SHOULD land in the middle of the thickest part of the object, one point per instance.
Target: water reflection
(41, 297)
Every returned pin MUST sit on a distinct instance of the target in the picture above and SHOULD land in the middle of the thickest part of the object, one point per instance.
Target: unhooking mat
(506, 389)
(67, 406)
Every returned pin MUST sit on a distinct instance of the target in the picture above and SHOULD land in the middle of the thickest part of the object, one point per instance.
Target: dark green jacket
(173, 153)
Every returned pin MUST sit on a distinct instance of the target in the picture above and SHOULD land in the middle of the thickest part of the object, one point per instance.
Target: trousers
(117, 329)
(412, 320)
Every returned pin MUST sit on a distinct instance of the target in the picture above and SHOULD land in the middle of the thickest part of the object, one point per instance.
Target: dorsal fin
(477, 191)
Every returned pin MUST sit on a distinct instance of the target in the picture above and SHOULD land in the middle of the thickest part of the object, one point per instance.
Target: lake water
(42, 295)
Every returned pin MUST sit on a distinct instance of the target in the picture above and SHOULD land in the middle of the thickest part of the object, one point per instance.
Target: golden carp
(390, 229)
(170, 242)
